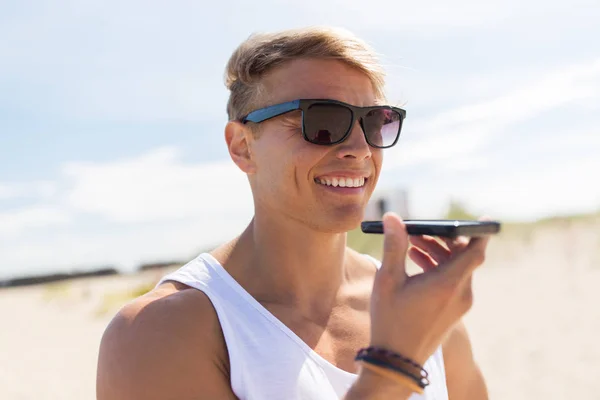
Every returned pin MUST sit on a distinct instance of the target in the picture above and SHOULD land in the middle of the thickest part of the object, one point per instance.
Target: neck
(285, 262)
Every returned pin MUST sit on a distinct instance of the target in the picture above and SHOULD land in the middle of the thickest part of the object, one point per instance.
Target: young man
(281, 311)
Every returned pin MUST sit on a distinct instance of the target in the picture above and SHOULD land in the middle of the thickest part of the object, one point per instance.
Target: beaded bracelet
(394, 364)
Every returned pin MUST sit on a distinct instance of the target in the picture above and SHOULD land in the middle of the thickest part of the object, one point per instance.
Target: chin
(340, 221)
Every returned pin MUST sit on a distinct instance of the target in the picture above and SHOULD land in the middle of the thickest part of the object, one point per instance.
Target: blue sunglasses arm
(266, 113)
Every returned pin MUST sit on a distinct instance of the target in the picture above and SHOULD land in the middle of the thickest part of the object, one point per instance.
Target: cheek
(305, 158)
(275, 171)
(285, 164)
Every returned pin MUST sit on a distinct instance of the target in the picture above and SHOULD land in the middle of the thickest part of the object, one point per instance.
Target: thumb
(395, 246)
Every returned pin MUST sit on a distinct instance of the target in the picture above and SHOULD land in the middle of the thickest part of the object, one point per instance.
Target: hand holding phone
(426, 306)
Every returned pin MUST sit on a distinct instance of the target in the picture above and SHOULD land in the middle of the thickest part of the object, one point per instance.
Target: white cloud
(466, 129)
(551, 174)
(555, 88)
(566, 188)
(148, 208)
(41, 189)
(124, 246)
(14, 223)
(158, 186)
(6, 191)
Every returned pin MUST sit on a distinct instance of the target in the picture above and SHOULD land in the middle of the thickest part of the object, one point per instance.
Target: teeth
(342, 182)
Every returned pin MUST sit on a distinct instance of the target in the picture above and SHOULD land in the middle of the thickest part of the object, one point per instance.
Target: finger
(457, 243)
(465, 262)
(422, 259)
(461, 242)
(395, 246)
(430, 245)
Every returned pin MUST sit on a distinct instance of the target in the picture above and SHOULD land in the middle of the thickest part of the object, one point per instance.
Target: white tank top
(267, 360)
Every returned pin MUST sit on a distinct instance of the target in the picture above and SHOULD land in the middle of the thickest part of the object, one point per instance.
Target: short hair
(261, 53)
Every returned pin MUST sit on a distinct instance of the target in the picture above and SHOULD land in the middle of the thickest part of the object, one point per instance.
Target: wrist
(416, 354)
(371, 386)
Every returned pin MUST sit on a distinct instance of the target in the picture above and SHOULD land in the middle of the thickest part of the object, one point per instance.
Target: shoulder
(159, 344)
(367, 261)
(463, 376)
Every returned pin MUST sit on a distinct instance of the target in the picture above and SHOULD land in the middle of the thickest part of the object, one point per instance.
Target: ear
(239, 139)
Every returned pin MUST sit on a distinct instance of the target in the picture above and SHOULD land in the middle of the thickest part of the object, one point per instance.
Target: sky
(112, 116)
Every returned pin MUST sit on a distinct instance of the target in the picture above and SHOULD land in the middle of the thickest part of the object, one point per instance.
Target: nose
(355, 146)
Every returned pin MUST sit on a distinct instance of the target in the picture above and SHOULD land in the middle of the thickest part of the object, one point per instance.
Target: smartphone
(442, 227)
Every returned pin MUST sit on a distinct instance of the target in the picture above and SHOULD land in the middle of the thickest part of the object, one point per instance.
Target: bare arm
(463, 376)
(164, 347)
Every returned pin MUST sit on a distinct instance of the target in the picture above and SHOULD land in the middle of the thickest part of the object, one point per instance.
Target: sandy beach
(534, 325)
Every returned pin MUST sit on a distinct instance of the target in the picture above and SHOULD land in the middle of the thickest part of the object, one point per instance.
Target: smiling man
(286, 310)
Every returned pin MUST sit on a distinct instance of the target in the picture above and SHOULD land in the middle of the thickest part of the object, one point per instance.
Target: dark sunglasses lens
(326, 123)
(382, 126)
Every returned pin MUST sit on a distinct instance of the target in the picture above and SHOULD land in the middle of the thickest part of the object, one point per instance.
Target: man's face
(291, 174)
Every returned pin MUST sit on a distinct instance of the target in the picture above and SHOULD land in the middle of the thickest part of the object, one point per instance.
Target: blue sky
(112, 115)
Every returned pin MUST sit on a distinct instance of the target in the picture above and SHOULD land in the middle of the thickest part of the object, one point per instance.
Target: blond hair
(261, 53)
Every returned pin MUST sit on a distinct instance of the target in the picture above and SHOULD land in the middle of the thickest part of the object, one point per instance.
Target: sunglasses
(329, 122)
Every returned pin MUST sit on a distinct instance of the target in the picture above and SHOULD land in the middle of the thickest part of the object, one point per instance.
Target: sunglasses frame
(266, 113)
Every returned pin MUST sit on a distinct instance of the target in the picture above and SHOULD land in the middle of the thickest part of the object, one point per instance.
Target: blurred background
(114, 171)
